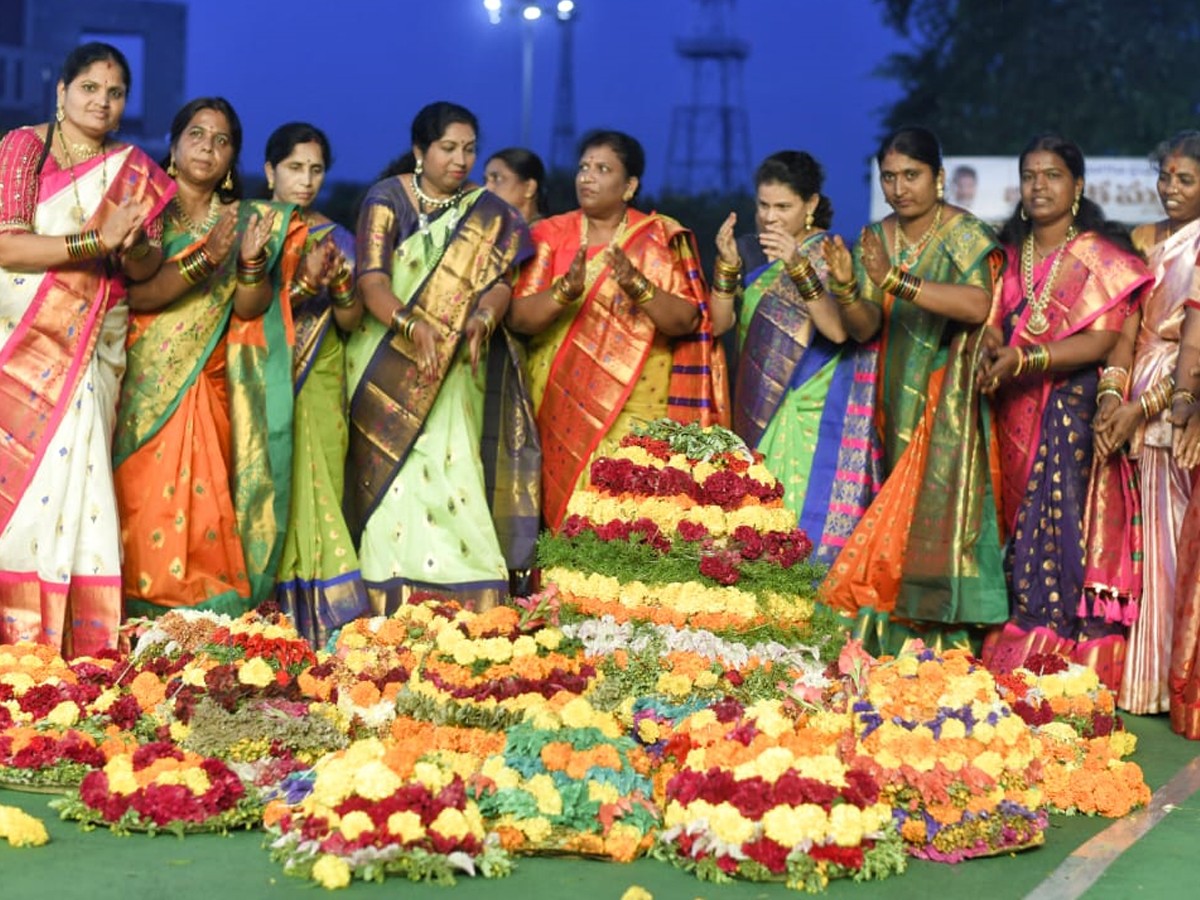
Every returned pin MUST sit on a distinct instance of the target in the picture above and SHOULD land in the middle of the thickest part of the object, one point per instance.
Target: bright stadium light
(564, 9)
(531, 12)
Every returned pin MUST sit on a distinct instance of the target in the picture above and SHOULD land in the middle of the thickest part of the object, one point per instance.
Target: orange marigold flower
(148, 690)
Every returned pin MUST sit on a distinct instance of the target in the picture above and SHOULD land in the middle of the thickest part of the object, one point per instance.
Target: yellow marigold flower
(406, 825)
(352, 640)
(990, 762)
(729, 825)
(542, 788)
(676, 814)
(674, 684)
(256, 672)
(578, 713)
(953, 729)
(537, 828)
(21, 829)
(106, 699)
(119, 770)
(64, 715)
(356, 823)
(603, 793)
(769, 718)
(1122, 743)
(828, 769)
(179, 731)
(906, 665)
(1010, 728)
(648, 731)
(706, 679)
(792, 825)
(983, 732)
(702, 719)
(495, 768)
(451, 823)
(770, 764)
(375, 781)
(550, 638)
(20, 681)
(524, 646)
(637, 892)
(846, 825)
(331, 872)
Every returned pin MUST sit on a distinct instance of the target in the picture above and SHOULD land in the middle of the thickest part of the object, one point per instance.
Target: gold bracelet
(560, 293)
(641, 291)
(1109, 392)
(891, 280)
(488, 318)
(1020, 362)
(1182, 394)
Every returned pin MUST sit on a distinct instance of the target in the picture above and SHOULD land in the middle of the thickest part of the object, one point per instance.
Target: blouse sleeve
(20, 151)
(377, 234)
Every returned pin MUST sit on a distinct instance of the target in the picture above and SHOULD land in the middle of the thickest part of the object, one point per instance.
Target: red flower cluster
(164, 804)
(47, 750)
(1046, 664)
(725, 488)
(721, 567)
(655, 447)
(514, 686)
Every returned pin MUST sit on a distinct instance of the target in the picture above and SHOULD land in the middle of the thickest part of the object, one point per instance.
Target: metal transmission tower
(709, 148)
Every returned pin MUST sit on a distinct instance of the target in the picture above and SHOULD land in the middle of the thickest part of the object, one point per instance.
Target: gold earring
(171, 170)
(420, 168)
(227, 184)
(808, 220)
(1024, 214)
(270, 184)
(941, 191)
(60, 113)
(627, 196)
(1075, 206)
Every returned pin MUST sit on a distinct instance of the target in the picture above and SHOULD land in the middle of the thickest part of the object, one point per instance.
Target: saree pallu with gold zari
(203, 449)
(925, 560)
(1072, 564)
(806, 403)
(319, 583)
(416, 486)
(602, 365)
(63, 352)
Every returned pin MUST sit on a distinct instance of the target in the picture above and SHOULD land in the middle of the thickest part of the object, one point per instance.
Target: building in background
(37, 35)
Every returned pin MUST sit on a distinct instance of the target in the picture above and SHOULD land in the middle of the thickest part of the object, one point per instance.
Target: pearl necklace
(1037, 323)
(425, 200)
(189, 225)
(905, 251)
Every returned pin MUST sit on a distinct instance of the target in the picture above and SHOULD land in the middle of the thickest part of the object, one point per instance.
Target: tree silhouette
(986, 75)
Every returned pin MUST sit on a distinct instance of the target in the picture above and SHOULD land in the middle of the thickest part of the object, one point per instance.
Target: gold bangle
(1182, 394)
(488, 318)
(1020, 362)
(560, 293)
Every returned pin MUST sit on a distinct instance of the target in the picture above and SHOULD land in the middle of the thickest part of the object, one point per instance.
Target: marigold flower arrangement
(569, 781)
(760, 793)
(384, 808)
(159, 787)
(487, 670)
(958, 766)
(21, 829)
(682, 526)
(1083, 745)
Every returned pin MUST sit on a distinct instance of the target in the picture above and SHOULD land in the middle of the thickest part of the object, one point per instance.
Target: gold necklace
(189, 225)
(79, 212)
(905, 251)
(1037, 323)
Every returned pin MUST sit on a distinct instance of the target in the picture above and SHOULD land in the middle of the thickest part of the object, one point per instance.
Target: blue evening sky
(360, 69)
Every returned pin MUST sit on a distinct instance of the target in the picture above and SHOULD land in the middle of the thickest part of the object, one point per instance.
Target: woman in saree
(925, 559)
(618, 312)
(1134, 416)
(1169, 624)
(803, 397)
(436, 255)
(319, 583)
(204, 427)
(518, 177)
(1070, 282)
(79, 219)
